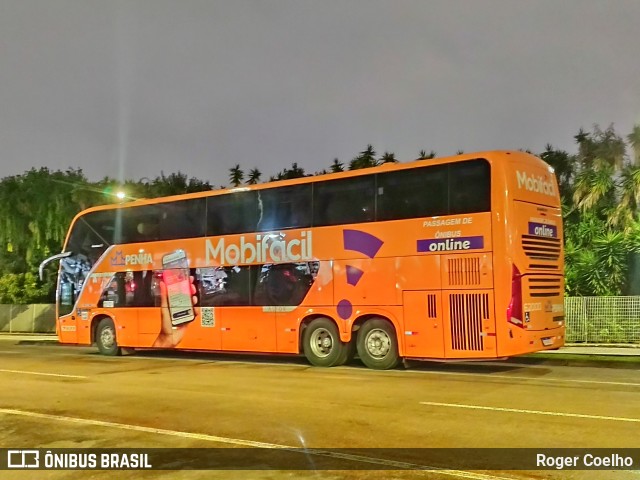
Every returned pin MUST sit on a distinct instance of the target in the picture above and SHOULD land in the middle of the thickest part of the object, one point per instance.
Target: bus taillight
(514, 312)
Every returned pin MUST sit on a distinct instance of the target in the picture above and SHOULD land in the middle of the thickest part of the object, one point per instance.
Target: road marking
(222, 362)
(42, 373)
(533, 412)
(393, 465)
(520, 377)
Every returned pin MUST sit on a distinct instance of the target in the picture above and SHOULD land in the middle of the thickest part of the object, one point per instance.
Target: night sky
(132, 88)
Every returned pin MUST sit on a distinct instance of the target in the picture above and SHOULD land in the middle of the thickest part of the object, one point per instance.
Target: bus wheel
(322, 345)
(106, 338)
(378, 344)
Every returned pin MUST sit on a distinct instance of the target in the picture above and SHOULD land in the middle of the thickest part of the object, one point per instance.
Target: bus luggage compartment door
(470, 330)
(423, 322)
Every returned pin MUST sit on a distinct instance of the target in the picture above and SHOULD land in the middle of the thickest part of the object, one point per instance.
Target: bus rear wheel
(322, 346)
(378, 344)
(106, 338)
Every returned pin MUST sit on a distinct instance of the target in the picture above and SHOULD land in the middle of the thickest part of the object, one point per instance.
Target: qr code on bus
(207, 318)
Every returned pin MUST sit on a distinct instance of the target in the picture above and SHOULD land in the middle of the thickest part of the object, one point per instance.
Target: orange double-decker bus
(451, 258)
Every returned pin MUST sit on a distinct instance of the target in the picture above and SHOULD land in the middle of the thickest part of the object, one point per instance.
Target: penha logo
(535, 184)
(120, 260)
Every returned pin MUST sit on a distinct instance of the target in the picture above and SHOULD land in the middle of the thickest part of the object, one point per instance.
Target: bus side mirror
(51, 259)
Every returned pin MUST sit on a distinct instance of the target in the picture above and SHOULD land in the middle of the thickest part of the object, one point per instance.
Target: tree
(288, 173)
(366, 159)
(164, 185)
(254, 176)
(236, 175)
(388, 158)
(634, 140)
(600, 145)
(602, 228)
(564, 166)
(337, 166)
(423, 155)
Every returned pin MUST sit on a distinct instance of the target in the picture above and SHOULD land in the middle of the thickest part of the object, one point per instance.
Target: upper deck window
(236, 212)
(284, 207)
(350, 200)
(469, 187)
(417, 192)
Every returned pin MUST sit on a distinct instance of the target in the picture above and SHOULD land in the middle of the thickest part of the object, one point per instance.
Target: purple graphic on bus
(366, 244)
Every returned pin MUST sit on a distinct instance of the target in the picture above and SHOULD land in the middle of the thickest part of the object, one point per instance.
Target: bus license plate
(547, 341)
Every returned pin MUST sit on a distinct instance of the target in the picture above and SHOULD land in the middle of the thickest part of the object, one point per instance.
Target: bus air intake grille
(541, 249)
(464, 271)
(540, 287)
(431, 306)
(467, 311)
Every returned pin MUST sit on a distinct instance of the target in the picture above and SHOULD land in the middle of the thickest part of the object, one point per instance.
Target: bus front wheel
(106, 338)
(322, 345)
(378, 344)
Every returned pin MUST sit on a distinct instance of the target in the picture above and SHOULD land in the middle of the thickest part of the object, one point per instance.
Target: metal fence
(588, 319)
(602, 319)
(40, 318)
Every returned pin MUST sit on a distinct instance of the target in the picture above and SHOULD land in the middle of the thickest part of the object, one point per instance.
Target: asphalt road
(55, 396)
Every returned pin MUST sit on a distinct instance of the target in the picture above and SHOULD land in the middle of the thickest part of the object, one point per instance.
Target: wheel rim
(378, 343)
(321, 342)
(108, 337)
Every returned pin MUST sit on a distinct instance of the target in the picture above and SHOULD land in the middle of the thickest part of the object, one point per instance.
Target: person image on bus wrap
(170, 335)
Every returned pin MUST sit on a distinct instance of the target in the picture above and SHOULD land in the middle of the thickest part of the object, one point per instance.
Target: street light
(120, 194)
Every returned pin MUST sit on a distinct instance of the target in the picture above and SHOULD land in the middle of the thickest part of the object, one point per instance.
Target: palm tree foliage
(600, 187)
(388, 158)
(236, 175)
(423, 155)
(366, 159)
(254, 176)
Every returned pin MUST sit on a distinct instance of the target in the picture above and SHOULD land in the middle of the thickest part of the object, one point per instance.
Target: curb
(580, 360)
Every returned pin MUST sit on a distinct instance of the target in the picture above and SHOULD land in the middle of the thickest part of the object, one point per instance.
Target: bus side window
(237, 212)
(412, 193)
(350, 200)
(469, 187)
(285, 207)
(114, 293)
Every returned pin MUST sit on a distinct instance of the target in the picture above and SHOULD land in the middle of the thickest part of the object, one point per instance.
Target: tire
(378, 344)
(106, 338)
(321, 344)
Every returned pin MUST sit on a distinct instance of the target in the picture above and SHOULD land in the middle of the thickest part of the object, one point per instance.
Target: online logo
(450, 244)
(543, 230)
